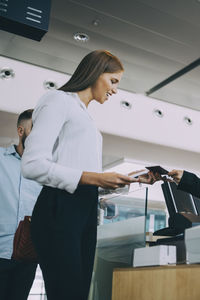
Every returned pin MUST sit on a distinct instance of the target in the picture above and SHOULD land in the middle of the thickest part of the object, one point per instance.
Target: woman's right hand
(112, 180)
(107, 180)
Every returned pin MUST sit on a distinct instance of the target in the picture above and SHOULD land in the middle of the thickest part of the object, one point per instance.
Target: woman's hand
(112, 180)
(109, 180)
(176, 175)
(149, 178)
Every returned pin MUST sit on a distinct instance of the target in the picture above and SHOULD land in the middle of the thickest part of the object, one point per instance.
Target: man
(17, 198)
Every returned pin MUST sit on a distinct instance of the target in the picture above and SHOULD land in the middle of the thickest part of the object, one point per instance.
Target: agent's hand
(176, 175)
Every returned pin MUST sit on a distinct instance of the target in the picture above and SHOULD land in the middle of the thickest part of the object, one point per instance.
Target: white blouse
(63, 143)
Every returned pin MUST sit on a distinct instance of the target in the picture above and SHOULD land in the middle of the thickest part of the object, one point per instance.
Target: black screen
(178, 201)
(197, 203)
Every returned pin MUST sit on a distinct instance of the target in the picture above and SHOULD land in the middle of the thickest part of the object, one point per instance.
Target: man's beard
(23, 140)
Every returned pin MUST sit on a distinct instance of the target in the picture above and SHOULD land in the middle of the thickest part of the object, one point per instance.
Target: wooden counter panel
(157, 283)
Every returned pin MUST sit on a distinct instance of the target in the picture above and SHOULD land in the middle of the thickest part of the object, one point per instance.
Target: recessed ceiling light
(81, 37)
(187, 120)
(125, 104)
(50, 85)
(7, 73)
(158, 112)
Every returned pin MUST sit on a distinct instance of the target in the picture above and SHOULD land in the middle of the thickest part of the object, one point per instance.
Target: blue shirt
(17, 198)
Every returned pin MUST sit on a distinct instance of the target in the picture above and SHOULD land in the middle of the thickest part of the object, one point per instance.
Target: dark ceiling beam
(178, 74)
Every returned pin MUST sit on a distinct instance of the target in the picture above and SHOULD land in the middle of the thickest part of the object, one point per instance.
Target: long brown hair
(90, 68)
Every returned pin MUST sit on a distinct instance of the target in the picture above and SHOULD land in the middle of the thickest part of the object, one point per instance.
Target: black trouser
(63, 230)
(16, 279)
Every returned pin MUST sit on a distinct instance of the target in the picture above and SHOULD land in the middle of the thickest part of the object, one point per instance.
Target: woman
(63, 153)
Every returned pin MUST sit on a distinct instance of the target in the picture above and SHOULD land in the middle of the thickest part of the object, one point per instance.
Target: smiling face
(105, 86)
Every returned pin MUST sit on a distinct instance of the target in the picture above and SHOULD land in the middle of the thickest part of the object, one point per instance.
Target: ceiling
(153, 38)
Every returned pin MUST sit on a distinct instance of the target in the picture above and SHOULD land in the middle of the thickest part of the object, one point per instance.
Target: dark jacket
(190, 183)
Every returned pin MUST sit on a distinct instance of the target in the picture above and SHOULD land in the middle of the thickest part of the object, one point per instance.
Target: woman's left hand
(149, 178)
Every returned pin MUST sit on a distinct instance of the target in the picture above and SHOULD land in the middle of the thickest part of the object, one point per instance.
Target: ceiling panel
(182, 9)
(121, 30)
(153, 38)
(185, 87)
(147, 17)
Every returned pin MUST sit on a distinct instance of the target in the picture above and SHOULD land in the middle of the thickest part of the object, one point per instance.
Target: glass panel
(122, 230)
(123, 227)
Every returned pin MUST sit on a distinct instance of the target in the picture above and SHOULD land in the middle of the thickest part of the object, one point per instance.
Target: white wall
(150, 153)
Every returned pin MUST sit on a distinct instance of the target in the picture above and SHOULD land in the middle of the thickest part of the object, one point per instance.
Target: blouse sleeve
(37, 162)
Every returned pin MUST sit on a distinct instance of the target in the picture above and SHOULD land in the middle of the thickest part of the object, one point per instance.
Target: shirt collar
(81, 103)
(11, 151)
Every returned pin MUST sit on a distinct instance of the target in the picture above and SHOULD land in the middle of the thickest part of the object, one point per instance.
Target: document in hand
(157, 169)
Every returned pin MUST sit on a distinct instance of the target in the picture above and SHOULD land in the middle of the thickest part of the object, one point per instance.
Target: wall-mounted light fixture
(126, 104)
(158, 112)
(187, 120)
(50, 85)
(7, 73)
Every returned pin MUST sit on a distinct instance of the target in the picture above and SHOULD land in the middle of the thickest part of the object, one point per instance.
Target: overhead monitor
(28, 18)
